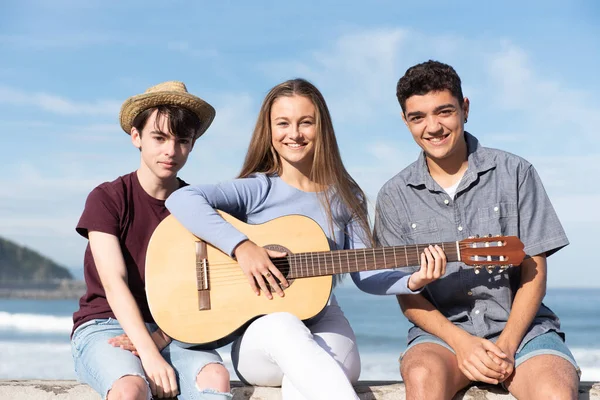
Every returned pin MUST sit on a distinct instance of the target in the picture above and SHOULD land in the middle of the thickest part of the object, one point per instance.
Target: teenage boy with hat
(472, 327)
(118, 220)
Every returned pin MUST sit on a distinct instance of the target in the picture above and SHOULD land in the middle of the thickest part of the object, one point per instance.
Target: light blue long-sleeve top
(261, 198)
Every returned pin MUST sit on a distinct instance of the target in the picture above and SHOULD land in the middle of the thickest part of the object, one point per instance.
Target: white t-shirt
(452, 189)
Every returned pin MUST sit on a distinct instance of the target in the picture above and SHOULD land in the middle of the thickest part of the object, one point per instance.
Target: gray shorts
(549, 343)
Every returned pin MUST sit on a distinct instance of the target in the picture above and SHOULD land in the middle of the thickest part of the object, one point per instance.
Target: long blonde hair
(327, 170)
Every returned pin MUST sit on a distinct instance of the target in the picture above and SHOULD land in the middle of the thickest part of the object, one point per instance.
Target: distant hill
(20, 264)
(76, 273)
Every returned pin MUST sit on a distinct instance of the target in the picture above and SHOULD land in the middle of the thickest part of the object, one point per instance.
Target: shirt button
(414, 226)
(496, 209)
(460, 228)
(476, 311)
(446, 201)
(470, 293)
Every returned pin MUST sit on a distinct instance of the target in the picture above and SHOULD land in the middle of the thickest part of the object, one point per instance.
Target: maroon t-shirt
(121, 208)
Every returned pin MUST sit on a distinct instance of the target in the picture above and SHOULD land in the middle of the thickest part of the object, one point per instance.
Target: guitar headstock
(491, 252)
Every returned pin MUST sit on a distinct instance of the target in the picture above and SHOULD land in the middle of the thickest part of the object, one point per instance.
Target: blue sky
(530, 70)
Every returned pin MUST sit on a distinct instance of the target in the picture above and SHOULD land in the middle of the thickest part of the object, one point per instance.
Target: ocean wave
(33, 360)
(35, 323)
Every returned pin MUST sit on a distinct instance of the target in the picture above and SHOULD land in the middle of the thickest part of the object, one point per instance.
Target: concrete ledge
(367, 390)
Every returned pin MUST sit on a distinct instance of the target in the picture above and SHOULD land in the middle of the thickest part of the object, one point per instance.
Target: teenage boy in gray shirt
(472, 327)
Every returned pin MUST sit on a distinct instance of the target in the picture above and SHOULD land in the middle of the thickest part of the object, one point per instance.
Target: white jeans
(318, 361)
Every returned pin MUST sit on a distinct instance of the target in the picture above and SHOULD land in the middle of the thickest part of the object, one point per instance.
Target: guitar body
(172, 281)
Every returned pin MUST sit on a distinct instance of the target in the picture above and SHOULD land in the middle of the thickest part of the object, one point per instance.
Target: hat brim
(136, 104)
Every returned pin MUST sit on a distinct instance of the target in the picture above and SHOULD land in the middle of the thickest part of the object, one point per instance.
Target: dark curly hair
(430, 76)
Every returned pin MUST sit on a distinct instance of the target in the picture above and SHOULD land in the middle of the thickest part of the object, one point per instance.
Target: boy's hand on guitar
(433, 266)
(256, 263)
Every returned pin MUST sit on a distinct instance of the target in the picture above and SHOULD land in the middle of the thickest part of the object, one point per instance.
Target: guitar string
(232, 269)
(216, 278)
(229, 270)
(361, 263)
(328, 256)
(375, 252)
(231, 276)
(236, 271)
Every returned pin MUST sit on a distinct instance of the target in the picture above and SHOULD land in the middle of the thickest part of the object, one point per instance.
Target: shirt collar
(480, 160)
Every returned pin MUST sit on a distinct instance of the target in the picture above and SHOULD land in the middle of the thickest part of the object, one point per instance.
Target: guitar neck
(305, 265)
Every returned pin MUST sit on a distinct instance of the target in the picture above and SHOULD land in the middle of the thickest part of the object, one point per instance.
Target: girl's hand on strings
(256, 263)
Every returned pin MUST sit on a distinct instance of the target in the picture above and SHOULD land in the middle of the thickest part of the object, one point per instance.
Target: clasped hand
(481, 360)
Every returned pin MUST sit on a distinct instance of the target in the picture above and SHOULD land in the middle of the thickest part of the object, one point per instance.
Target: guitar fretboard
(304, 265)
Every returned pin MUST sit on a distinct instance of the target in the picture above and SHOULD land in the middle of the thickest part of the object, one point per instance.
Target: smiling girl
(293, 166)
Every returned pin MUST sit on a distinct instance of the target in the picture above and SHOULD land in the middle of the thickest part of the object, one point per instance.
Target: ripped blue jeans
(100, 365)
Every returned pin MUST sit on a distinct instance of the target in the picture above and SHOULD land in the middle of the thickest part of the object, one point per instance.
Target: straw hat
(167, 93)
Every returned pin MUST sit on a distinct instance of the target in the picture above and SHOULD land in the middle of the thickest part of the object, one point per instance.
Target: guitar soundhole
(281, 263)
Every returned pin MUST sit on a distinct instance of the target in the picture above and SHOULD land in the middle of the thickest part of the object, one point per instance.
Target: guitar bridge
(202, 277)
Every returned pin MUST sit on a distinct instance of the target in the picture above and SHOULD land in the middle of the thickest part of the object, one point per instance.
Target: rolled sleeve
(101, 214)
(539, 227)
(384, 282)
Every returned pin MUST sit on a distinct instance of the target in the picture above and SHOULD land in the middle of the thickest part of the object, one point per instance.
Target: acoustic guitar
(199, 295)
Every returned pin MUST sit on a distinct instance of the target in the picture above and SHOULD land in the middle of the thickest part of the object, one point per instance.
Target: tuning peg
(489, 235)
(503, 267)
(476, 236)
(490, 268)
(477, 269)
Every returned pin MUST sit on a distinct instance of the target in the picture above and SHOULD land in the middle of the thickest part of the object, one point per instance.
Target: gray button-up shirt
(499, 194)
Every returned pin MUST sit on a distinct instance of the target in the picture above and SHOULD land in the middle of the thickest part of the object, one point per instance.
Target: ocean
(34, 334)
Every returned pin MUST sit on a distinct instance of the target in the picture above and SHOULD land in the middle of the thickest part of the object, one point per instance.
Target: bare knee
(419, 373)
(430, 372)
(213, 376)
(562, 393)
(555, 378)
(129, 388)
(560, 389)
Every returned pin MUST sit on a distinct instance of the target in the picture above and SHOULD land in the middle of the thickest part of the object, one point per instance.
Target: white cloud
(577, 208)
(383, 160)
(547, 107)
(569, 175)
(186, 48)
(94, 133)
(357, 72)
(40, 207)
(66, 41)
(56, 104)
